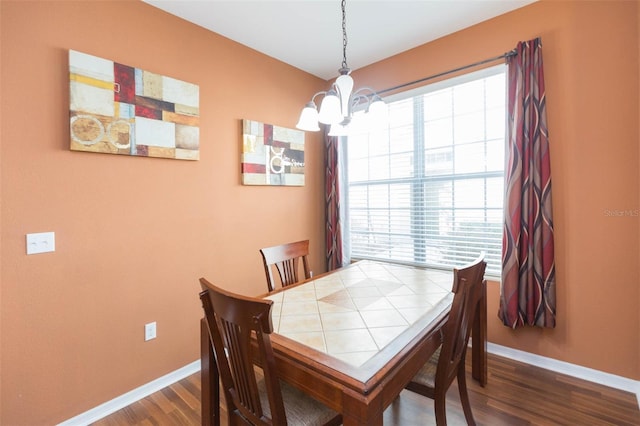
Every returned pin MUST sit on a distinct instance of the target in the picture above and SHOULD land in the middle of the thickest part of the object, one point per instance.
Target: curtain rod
(464, 67)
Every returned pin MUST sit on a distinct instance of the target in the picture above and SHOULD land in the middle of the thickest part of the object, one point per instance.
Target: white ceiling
(307, 34)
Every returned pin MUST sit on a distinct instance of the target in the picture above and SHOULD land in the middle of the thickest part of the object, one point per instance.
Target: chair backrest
(286, 258)
(233, 320)
(468, 287)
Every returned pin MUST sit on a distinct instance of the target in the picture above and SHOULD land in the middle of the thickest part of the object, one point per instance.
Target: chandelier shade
(330, 108)
(340, 101)
(377, 107)
(309, 118)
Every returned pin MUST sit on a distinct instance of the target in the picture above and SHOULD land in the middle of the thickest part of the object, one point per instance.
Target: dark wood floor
(517, 394)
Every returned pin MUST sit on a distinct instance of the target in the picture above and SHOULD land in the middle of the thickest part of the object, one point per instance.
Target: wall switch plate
(150, 331)
(42, 242)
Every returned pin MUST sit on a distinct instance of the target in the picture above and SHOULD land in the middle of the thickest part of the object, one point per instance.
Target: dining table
(354, 337)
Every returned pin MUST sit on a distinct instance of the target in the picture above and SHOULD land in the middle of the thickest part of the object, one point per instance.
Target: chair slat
(286, 260)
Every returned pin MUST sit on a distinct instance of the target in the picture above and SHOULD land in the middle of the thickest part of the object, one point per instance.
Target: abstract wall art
(119, 109)
(272, 155)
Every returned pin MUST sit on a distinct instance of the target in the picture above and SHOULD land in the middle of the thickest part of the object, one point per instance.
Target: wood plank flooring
(517, 394)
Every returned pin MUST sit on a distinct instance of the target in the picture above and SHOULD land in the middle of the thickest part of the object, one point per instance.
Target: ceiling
(307, 34)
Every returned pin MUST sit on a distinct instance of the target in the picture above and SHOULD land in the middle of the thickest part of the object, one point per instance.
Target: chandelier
(340, 101)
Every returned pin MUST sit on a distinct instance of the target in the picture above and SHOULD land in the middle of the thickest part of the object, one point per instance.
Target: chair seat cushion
(427, 374)
(300, 408)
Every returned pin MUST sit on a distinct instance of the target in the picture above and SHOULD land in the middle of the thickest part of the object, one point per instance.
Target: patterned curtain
(527, 291)
(333, 231)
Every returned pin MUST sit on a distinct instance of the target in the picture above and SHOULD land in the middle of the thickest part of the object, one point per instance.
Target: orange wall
(134, 234)
(591, 69)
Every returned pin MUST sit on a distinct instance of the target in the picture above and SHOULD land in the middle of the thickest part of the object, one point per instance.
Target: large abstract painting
(118, 109)
(272, 155)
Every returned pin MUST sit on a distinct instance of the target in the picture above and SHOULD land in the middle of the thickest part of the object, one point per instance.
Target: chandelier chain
(344, 35)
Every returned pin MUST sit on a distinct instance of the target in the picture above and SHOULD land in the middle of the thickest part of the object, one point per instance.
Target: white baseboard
(584, 373)
(129, 398)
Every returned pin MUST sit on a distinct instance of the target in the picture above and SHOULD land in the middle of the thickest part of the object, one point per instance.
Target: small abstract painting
(272, 155)
(119, 109)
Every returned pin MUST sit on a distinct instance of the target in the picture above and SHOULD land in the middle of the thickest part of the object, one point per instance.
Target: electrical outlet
(42, 242)
(150, 331)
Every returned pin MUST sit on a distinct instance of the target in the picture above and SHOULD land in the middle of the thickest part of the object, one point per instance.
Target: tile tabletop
(354, 312)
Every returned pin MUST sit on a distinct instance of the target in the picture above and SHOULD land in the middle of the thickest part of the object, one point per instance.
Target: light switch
(42, 242)
(150, 331)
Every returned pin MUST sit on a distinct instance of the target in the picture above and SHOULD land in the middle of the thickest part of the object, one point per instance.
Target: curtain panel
(527, 290)
(333, 228)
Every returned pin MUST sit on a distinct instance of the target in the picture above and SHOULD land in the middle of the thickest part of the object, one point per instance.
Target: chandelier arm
(352, 107)
(358, 91)
(313, 98)
(359, 98)
(357, 101)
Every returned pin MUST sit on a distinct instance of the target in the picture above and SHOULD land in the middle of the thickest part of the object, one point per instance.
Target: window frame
(424, 179)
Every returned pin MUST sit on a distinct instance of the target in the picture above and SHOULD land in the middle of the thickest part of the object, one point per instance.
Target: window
(426, 187)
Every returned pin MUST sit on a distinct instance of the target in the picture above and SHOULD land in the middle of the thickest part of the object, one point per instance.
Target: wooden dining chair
(448, 362)
(239, 331)
(286, 259)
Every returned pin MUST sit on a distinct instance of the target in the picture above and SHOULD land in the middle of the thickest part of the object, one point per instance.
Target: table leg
(356, 411)
(210, 399)
(354, 421)
(479, 340)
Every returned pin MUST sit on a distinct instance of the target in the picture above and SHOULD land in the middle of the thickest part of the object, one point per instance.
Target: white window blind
(426, 187)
